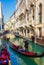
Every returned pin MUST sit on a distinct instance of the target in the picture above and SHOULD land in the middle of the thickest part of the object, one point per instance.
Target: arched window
(40, 12)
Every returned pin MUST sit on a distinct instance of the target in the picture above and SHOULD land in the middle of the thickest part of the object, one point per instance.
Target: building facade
(39, 17)
(28, 19)
(30, 12)
(10, 25)
(1, 19)
(24, 17)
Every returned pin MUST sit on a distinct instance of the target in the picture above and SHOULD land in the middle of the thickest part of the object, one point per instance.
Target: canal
(18, 59)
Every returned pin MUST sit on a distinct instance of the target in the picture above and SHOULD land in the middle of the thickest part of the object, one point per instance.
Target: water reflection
(0, 44)
(37, 48)
(18, 59)
(39, 61)
(33, 47)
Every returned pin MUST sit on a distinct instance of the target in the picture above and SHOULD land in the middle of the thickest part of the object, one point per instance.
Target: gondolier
(25, 52)
(26, 45)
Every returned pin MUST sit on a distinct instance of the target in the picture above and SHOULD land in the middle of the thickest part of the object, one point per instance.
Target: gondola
(25, 53)
(4, 57)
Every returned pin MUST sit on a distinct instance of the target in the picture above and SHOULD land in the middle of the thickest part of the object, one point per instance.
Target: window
(40, 13)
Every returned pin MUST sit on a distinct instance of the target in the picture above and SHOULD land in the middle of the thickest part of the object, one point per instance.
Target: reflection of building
(1, 18)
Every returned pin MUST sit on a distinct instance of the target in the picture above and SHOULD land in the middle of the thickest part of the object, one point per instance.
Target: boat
(4, 57)
(20, 50)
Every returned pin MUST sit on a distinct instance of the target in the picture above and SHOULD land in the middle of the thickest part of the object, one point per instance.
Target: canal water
(18, 59)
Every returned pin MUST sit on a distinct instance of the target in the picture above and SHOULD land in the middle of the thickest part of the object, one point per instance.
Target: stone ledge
(40, 41)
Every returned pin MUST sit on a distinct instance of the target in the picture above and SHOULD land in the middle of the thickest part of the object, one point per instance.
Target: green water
(18, 59)
(32, 47)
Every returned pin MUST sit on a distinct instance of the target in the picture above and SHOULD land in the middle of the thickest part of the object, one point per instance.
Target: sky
(8, 7)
